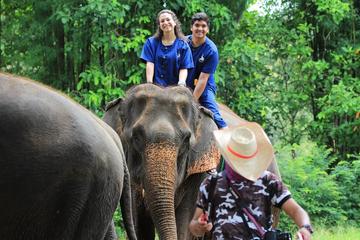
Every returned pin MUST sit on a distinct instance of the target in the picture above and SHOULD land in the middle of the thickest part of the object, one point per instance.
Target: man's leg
(208, 100)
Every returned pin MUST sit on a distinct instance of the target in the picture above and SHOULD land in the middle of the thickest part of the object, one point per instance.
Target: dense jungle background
(291, 65)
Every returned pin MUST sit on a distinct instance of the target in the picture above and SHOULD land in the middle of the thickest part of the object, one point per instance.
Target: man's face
(199, 29)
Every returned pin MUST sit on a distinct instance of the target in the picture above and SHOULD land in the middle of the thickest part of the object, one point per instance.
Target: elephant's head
(167, 137)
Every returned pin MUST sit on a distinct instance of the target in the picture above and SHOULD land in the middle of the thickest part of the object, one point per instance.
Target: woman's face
(167, 23)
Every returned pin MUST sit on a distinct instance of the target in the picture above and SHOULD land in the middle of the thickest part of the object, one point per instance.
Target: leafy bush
(347, 174)
(304, 170)
(95, 89)
(119, 225)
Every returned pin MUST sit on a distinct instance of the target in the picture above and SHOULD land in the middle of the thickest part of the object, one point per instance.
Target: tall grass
(336, 233)
(322, 233)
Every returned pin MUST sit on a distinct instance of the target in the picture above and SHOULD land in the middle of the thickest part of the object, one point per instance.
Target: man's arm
(149, 72)
(199, 225)
(200, 85)
(299, 216)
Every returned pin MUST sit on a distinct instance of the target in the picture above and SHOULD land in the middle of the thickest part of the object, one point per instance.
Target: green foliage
(95, 89)
(304, 169)
(241, 59)
(335, 9)
(347, 174)
(337, 122)
(119, 226)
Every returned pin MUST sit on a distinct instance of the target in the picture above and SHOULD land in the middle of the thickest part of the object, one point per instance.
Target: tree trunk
(60, 47)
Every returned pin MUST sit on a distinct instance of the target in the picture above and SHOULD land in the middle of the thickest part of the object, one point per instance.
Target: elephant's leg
(185, 210)
(111, 233)
(96, 215)
(144, 226)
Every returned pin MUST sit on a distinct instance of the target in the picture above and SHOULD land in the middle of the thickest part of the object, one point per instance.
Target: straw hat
(246, 148)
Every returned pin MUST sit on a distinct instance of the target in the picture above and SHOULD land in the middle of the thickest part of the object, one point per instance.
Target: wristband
(182, 83)
(308, 227)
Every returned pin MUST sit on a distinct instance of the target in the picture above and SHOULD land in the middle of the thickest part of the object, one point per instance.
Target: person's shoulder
(211, 48)
(211, 44)
(270, 177)
(152, 40)
(183, 41)
(188, 39)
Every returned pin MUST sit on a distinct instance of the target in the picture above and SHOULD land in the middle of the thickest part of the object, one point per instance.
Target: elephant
(62, 169)
(232, 119)
(169, 147)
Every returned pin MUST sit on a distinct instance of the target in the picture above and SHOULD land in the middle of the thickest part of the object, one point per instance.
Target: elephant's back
(54, 155)
(44, 124)
(231, 118)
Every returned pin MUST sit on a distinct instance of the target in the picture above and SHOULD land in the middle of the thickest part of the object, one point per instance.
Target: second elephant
(168, 143)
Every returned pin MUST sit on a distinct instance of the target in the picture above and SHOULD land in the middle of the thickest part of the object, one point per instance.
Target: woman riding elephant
(169, 146)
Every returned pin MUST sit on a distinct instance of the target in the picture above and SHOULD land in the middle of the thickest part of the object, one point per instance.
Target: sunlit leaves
(337, 9)
(305, 169)
(95, 89)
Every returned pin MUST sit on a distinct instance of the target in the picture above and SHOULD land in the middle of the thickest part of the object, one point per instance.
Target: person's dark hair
(178, 32)
(200, 16)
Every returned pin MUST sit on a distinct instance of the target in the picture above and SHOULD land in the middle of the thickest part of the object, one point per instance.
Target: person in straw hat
(239, 207)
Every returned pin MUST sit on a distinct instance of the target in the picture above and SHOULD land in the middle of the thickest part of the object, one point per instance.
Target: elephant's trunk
(159, 187)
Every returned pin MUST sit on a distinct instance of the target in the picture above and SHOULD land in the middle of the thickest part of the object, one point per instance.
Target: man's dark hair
(200, 16)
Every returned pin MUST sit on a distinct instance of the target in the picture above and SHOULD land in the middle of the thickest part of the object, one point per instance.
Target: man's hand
(200, 226)
(303, 234)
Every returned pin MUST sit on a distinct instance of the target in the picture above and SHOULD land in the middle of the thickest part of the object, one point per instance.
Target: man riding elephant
(169, 145)
(62, 170)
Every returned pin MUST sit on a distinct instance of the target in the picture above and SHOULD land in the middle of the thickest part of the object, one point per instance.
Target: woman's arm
(149, 72)
(182, 76)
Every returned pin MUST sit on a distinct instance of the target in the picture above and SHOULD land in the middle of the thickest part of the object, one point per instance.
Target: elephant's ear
(206, 111)
(112, 103)
(204, 154)
(112, 115)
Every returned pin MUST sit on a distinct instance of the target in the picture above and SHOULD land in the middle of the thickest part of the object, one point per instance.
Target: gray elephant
(62, 170)
(169, 145)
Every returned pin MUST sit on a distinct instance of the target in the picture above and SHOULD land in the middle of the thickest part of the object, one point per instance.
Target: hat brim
(250, 168)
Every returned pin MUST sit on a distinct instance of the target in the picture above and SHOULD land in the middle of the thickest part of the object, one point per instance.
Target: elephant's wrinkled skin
(168, 144)
(62, 170)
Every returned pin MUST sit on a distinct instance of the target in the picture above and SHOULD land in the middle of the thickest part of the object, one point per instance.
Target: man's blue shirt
(168, 60)
(206, 59)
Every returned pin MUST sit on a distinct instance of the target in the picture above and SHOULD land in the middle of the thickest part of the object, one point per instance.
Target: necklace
(168, 42)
